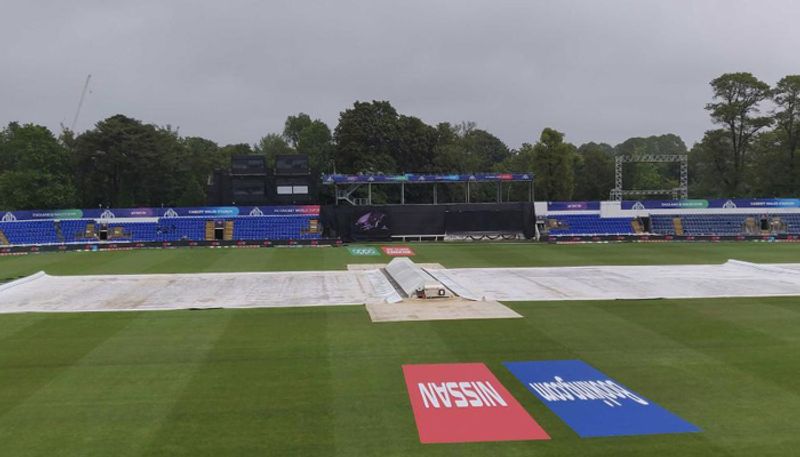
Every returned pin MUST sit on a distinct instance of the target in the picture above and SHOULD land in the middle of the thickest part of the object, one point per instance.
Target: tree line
(124, 162)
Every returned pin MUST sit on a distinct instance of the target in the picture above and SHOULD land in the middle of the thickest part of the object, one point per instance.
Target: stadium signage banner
(664, 204)
(722, 203)
(573, 206)
(199, 211)
(363, 250)
(424, 178)
(464, 402)
(397, 251)
(593, 404)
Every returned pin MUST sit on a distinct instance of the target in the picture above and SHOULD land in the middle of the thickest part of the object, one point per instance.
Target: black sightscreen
(383, 222)
(288, 165)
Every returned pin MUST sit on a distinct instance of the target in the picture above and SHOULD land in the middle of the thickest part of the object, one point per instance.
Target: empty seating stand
(180, 229)
(29, 232)
(715, 224)
(589, 224)
(131, 231)
(725, 224)
(78, 230)
(74, 231)
(295, 227)
(792, 223)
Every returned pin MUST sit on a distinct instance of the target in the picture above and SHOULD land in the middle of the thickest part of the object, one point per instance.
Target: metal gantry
(350, 184)
(681, 192)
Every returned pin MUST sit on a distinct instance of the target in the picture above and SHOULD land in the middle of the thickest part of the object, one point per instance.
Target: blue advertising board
(593, 404)
(426, 178)
(720, 203)
(573, 206)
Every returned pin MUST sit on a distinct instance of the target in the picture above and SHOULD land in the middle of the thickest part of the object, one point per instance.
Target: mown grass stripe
(707, 385)
(366, 363)
(11, 324)
(114, 395)
(264, 389)
(38, 353)
(462, 255)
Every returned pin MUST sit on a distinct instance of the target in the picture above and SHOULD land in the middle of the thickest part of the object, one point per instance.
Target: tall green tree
(310, 137)
(770, 173)
(594, 171)
(271, 145)
(124, 162)
(552, 161)
(451, 154)
(711, 166)
(294, 126)
(236, 149)
(786, 97)
(204, 156)
(485, 149)
(365, 137)
(35, 169)
(414, 145)
(736, 107)
(466, 149)
(371, 137)
(198, 159)
(301, 135)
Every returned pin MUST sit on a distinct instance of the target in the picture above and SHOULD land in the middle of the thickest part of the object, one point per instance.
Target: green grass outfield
(186, 260)
(325, 381)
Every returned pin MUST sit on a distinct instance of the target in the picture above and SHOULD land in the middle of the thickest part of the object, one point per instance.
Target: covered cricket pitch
(326, 380)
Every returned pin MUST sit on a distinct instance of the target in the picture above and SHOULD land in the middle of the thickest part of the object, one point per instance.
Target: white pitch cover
(44, 293)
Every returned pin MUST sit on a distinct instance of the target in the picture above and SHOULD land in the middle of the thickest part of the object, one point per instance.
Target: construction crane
(80, 102)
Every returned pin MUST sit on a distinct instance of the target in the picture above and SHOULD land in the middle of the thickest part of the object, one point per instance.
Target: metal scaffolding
(681, 192)
(352, 183)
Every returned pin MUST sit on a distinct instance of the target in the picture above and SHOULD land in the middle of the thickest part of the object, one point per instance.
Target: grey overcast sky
(231, 71)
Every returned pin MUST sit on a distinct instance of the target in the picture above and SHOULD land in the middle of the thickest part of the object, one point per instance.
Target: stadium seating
(714, 224)
(305, 227)
(132, 231)
(589, 224)
(726, 224)
(663, 225)
(29, 232)
(75, 230)
(675, 224)
(180, 229)
(274, 228)
(792, 222)
(294, 227)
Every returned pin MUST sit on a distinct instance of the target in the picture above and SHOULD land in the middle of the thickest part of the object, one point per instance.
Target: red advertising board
(397, 251)
(464, 402)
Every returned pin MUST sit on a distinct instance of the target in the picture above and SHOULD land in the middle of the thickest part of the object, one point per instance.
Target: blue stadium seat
(591, 224)
(701, 224)
(30, 232)
(288, 227)
(295, 227)
(73, 230)
(180, 228)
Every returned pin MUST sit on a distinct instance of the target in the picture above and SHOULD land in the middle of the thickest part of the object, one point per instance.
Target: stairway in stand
(209, 230)
(59, 233)
(677, 223)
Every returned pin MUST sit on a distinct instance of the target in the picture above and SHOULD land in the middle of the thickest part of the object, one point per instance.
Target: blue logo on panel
(593, 404)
